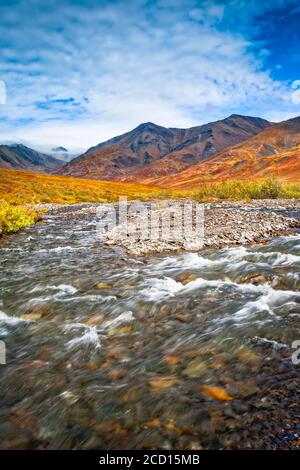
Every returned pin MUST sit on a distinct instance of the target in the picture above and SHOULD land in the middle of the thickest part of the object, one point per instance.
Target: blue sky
(79, 72)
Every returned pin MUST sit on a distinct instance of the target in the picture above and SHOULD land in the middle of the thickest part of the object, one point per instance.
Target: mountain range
(20, 157)
(275, 152)
(233, 148)
(151, 151)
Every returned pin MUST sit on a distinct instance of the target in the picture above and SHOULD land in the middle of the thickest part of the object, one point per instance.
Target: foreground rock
(225, 224)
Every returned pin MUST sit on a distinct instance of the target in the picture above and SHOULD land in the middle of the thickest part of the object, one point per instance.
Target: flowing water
(169, 351)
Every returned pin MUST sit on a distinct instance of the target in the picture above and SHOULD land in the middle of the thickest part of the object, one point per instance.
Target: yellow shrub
(269, 188)
(13, 218)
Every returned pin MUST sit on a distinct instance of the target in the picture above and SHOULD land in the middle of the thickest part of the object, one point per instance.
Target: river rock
(196, 368)
(255, 279)
(31, 316)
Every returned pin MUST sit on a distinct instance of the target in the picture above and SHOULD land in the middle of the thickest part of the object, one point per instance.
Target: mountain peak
(147, 126)
(59, 149)
(234, 116)
(241, 116)
(17, 145)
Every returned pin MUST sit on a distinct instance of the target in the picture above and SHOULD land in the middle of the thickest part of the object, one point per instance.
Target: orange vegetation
(19, 187)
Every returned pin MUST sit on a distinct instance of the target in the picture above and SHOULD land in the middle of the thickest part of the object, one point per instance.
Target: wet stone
(196, 368)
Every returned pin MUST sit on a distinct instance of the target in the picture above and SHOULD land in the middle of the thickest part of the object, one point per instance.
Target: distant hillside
(20, 187)
(20, 157)
(151, 150)
(275, 151)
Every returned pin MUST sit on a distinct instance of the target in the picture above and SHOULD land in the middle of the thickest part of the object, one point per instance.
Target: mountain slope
(113, 158)
(151, 151)
(200, 144)
(20, 157)
(275, 151)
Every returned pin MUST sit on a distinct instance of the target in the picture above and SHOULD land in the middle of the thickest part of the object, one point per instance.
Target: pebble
(31, 316)
(196, 368)
(225, 224)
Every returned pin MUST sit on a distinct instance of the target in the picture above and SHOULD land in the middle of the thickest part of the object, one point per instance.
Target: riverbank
(227, 223)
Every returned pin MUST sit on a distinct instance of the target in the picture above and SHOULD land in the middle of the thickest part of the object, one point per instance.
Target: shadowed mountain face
(275, 151)
(152, 151)
(20, 157)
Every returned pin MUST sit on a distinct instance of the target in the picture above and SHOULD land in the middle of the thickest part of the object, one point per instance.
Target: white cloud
(2, 92)
(296, 93)
(123, 63)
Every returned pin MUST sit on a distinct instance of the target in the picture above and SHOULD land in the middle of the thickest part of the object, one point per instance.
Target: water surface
(170, 351)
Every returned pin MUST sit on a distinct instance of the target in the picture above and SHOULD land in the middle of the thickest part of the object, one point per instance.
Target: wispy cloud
(80, 72)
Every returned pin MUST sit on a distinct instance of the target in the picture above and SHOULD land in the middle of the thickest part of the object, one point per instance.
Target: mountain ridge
(275, 151)
(20, 157)
(149, 144)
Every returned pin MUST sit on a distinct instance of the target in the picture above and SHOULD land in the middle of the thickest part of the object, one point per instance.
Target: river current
(187, 350)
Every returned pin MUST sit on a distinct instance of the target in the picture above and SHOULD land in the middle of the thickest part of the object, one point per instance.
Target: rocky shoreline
(226, 223)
